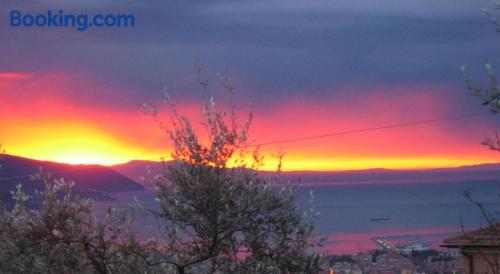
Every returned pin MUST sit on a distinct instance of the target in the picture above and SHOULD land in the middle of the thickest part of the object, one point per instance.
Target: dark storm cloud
(273, 48)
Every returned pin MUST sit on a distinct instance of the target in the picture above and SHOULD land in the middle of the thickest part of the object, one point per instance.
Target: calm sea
(431, 211)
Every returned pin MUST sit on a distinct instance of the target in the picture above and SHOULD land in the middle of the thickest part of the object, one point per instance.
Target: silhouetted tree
(53, 231)
(490, 97)
(218, 214)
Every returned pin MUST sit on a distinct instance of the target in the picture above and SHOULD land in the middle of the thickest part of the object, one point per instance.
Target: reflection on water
(432, 210)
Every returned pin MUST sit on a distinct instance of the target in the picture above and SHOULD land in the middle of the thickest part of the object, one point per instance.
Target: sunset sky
(302, 67)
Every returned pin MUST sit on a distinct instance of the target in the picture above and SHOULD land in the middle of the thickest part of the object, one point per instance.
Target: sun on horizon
(41, 121)
(75, 143)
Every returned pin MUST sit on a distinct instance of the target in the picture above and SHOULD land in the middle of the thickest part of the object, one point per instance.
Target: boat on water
(375, 219)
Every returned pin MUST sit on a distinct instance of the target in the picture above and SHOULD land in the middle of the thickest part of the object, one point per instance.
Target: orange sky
(38, 119)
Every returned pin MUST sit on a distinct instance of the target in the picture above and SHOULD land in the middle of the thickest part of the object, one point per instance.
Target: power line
(347, 132)
(292, 140)
(76, 168)
(51, 172)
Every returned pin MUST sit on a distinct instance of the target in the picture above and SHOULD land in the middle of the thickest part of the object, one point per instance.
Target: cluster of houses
(475, 252)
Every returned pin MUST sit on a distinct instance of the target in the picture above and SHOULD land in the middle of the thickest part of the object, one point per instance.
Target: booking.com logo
(59, 19)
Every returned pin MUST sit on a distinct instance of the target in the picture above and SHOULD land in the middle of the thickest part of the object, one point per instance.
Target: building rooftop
(484, 237)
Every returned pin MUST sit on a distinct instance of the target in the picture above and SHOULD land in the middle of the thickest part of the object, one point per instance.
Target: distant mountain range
(87, 178)
(465, 173)
(135, 175)
(137, 170)
(142, 171)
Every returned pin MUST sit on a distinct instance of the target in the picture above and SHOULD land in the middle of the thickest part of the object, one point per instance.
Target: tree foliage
(217, 215)
(53, 231)
(490, 97)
